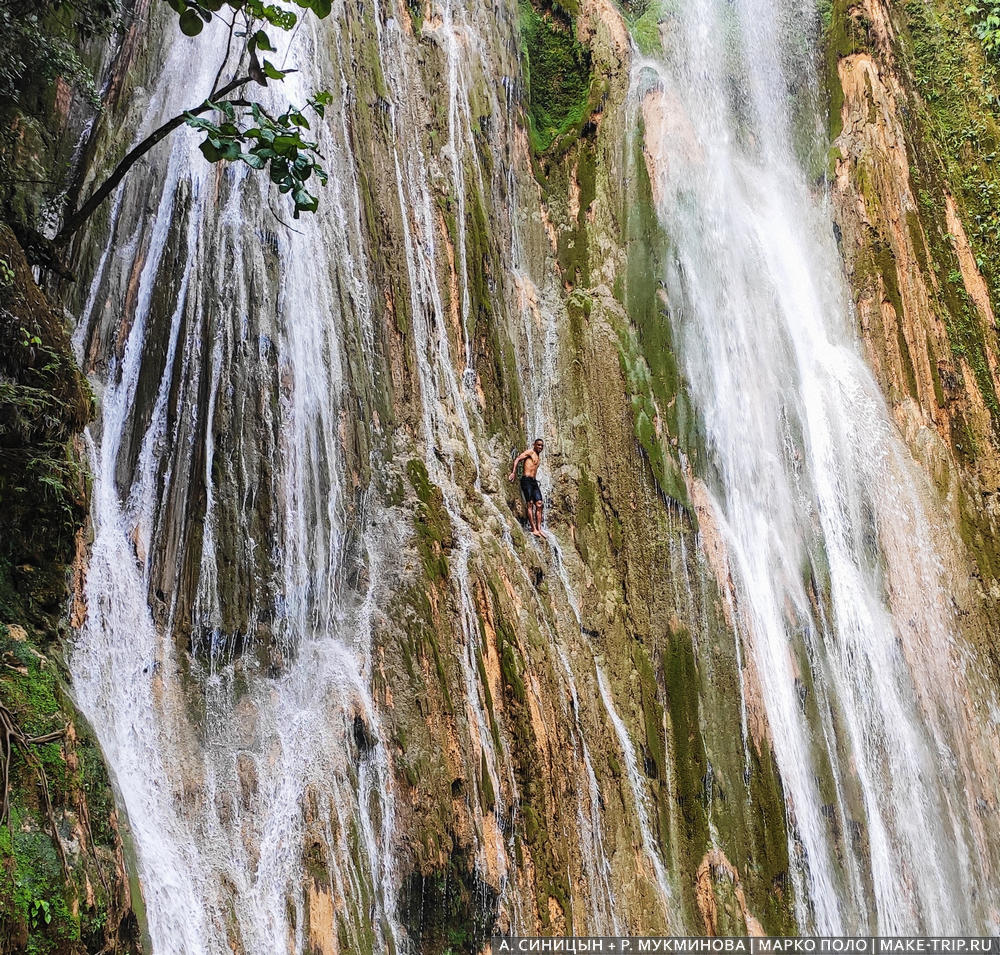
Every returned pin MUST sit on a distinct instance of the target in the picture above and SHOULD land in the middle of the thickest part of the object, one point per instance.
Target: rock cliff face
(560, 718)
(349, 703)
(64, 884)
(913, 134)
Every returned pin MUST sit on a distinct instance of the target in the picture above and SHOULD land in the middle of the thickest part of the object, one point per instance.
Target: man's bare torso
(531, 465)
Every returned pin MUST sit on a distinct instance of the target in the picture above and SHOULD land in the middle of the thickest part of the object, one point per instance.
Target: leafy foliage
(557, 70)
(38, 40)
(252, 16)
(41, 912)
(985, 16)
(255, 136)
(272, 142)
(194, 14)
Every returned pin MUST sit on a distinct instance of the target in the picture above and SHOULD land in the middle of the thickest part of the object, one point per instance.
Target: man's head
(538, 445)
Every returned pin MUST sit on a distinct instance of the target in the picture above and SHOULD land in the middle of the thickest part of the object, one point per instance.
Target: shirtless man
(529, 484)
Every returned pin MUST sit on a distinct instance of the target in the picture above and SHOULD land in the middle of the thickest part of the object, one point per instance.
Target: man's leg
(538, 516)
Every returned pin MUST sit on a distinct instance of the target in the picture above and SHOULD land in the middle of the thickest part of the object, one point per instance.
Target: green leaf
(278, 170)
(272, 72)
(191, 24)
(285, 144)
(253, 160)
(209, 151)
(262, 42)
(305, 201)
(197, 122)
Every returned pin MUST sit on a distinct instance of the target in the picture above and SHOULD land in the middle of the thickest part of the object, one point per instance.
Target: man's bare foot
(538, 533)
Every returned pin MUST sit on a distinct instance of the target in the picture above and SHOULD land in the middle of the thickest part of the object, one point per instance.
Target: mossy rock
(63, 888)
(449, 909)
(433, 527)
(557, 70)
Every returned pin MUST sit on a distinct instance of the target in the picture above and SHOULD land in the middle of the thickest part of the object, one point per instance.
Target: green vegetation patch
(64, 895)
(557, 71)
(551, 877)
(431, 522)
(449, 909)
(846, 33)
(644, 18)
(958, 133)
(646, 349)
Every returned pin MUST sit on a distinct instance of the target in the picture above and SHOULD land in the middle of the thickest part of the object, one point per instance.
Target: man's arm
(521, 457)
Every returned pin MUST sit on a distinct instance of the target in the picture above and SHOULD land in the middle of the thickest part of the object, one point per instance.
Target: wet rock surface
(341, 639)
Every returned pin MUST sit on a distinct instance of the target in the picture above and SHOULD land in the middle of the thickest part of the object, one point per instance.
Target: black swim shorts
(531, 491)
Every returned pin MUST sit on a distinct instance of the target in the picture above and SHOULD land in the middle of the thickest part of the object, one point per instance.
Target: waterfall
(838, 590)
(248, 556)
(285, 771)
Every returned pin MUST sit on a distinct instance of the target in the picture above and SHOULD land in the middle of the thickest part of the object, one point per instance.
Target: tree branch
(225, 59)
(76, 219)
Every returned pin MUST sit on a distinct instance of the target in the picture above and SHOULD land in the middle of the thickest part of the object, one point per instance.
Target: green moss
(586, 501)
(573, 244)
(661, 456)
(953, 138)
(646, 352)
(511, 664)
(431, 522)
(846, 33)
(557, 72)
(917, 239)
(416, 10)
(909, 374)
(981, 546)
(489, 798)
(494, 354)
(449, 908)
(885, 263)
(690, 763)
(43, 403)
(935, 373)
(487, 693)
(647, 248)
(644, 23)
(551, 878)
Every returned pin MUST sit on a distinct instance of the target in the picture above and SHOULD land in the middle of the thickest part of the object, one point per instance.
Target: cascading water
(836, 585)
(286, 769)
(238, 361)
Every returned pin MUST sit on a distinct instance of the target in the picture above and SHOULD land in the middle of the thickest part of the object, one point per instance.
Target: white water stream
(228, 811)
(836, 582)
(239, 776)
